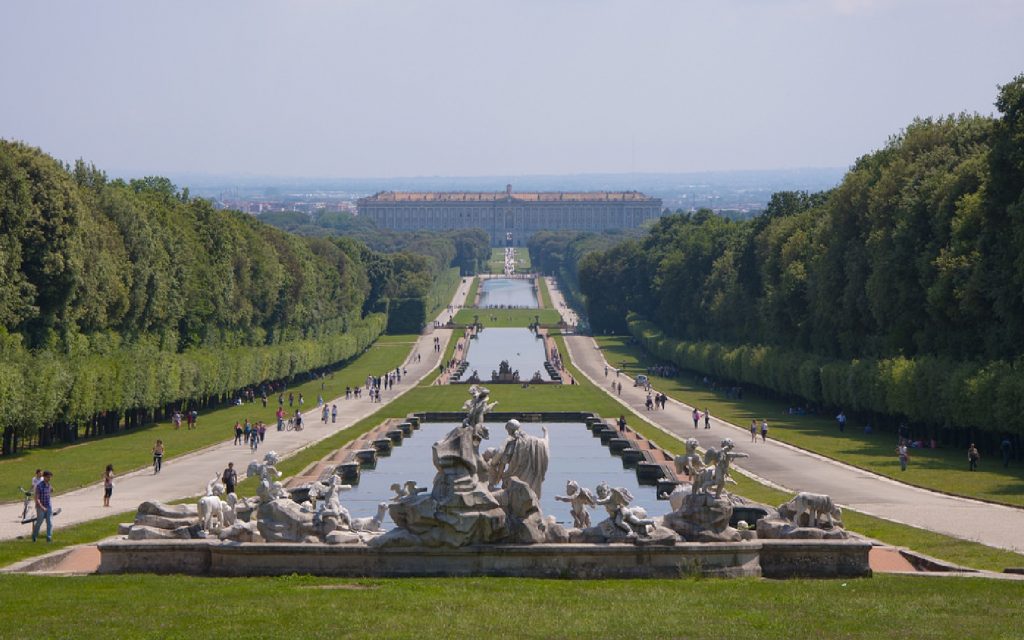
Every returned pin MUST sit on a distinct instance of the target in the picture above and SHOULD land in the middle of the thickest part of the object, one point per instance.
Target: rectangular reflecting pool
(507, 292)
(523, 350)
(574, 455)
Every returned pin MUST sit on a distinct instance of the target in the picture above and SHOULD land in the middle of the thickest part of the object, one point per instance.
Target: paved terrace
(797, 470)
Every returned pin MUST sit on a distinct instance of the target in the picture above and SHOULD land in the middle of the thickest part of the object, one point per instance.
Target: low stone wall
(815, 558)
(771, 558)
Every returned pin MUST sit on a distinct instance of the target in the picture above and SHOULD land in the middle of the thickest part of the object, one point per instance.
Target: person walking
(44, 509)
(229, 478)
(622, 423)
(158, 456)
(753, 430)
(247, 431)
(696, 417)
(972, 457)
(238, 433)
(108, 484)
(707, 418)
(334, 413)
(841, 419)
(764, 429)
(261, 431)
(903, 454)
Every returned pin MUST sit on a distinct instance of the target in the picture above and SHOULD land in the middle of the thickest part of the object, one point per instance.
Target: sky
(388, 88)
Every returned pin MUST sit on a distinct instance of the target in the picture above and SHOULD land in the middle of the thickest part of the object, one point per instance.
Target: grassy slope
(80, 464)
(885, 606)
(939, 469)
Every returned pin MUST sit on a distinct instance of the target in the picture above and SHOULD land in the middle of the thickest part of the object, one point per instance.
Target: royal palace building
(510, 218)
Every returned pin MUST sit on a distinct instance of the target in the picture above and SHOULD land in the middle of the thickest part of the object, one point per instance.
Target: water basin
(523, 350)
(574, 455)
(507, 292)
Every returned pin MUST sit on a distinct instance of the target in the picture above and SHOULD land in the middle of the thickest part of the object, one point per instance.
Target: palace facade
(509, 218)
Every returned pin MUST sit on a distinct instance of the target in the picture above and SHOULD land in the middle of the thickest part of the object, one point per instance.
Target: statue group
(491, 497)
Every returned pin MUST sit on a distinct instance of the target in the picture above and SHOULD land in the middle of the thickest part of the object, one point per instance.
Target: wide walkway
(798, 470)
(189, 474)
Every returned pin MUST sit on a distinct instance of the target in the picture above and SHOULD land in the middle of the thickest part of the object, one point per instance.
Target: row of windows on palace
(575, 215)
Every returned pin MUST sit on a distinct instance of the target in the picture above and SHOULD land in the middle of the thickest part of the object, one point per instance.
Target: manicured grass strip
(937, 469)
(416, 608)
(80, 464)
(471, 293)
(542, 291)
(496, 264)
(508, 317)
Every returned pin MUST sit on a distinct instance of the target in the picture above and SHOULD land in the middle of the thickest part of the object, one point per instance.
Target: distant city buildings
(510, 218)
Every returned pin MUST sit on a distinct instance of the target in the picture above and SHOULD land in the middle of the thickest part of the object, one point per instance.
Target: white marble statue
(581, 500)
(371, 523)
(212, 509)
(815, 505)
(716, 473)
(690, 462)
(269, 464)
(329, 500)
(406, 490)
(522, 456)
(616, 501)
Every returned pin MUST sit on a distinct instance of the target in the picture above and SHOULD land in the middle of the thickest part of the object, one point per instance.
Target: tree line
(120, 300)
(900, 291)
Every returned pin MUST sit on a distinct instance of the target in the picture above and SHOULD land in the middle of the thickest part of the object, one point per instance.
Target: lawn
(938, 469)
(77, 465)
(497, 262)
(542, 290)
(301, 606)
(508, 317)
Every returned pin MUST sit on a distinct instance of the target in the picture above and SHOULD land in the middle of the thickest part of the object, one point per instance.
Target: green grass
(471, 294)
(508, 317)
(77, 465)
(497, 262)
(938, 469)
(542, 292)
(304, 607)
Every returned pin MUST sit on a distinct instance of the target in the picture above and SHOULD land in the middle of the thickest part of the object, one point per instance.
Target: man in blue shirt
(44, 510)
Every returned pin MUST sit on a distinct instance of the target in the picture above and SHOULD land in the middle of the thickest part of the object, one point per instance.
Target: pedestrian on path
(230, 478)
(696, 417)
(44, 509)
(972, 457)
(903, 454)
(707, 418)
(323, 414)
(620, 388)
(334, 413)
(764, 429)
(108, 484)
(622, 423)
(158, 456)
(753, 430)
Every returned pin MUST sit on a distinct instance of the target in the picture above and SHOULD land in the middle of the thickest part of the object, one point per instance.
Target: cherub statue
(716, 473)
(616, 501)
(581, 500)
(690, 462)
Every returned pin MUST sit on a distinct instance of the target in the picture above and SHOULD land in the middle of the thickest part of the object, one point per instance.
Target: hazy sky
(431, 87)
